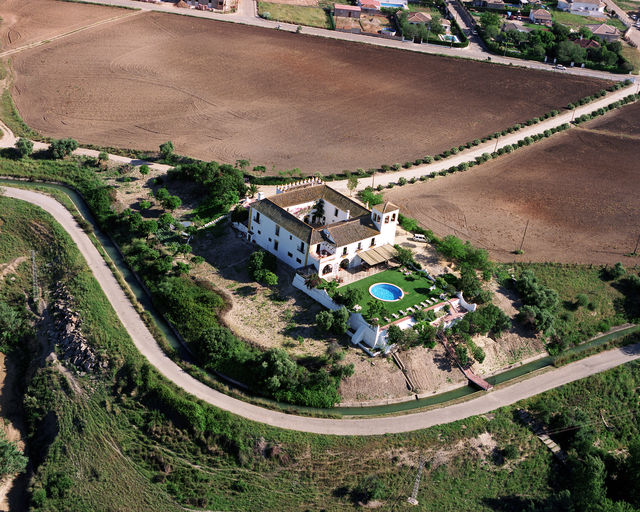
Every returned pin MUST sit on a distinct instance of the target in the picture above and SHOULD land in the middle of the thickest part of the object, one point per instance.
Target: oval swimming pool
(386, 291)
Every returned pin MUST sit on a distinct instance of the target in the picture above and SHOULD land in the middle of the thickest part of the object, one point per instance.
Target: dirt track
(224, 91)
(27, 21)
(580, 191)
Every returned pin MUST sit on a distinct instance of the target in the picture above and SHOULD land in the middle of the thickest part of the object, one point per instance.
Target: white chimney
(260, 196)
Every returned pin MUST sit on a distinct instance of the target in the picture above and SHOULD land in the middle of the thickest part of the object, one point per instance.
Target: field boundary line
(42, 42)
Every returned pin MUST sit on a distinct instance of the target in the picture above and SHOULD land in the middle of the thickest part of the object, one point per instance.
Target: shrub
(144, 169)
(61, 148)
(402, 181)
(396, 167)
(24, 147)
(582, 300)
(463, 355)
(427, 159)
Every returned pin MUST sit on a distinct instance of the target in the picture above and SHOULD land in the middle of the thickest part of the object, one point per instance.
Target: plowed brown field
(580, 192)
(28, 21)
(225, 91)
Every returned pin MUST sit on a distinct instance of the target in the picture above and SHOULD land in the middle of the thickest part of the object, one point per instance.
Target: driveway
(145, 343)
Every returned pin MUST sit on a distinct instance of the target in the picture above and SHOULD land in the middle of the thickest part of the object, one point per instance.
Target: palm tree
(252, 190)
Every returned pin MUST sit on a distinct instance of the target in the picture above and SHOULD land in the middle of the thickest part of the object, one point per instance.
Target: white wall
(264, 234)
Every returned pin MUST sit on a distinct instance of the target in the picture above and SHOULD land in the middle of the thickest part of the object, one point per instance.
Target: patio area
(418, 292)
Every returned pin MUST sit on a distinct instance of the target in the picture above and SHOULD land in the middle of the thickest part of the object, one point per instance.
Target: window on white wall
(277, 230)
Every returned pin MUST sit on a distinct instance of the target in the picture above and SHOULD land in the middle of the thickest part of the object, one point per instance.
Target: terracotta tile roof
(587, 43)
(288, 221)
(541, 14)
(603, 30)
(347, 232)
(419, 17)
(313, 193)
(344, 7)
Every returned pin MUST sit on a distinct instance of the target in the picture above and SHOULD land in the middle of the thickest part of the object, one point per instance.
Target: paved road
(145, 343)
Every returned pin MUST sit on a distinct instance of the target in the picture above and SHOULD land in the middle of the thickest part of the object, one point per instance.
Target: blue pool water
(386, 291)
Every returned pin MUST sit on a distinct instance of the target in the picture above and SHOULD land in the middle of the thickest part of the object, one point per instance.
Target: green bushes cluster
(262, 267)
(539, 302)
(335, 321)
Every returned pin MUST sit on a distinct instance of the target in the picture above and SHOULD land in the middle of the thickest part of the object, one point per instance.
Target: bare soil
(28, 21)
(225, 91)
(578, 190)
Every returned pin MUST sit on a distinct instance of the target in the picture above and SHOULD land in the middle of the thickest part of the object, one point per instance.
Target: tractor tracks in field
(13, 51)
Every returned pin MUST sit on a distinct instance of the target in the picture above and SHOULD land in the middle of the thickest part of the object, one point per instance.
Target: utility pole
(523, 235)
(414, 494)
(635, 251)
(496, 146)
(373, 179)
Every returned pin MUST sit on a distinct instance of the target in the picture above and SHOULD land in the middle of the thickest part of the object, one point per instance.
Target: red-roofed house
(347, 11)
(419, 18)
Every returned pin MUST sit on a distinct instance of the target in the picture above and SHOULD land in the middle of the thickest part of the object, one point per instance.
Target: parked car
(560, 66)
(419, 238)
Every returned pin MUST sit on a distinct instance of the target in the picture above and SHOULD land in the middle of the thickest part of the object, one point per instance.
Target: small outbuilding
(346, 11)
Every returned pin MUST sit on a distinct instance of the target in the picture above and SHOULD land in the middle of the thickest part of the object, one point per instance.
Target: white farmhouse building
(314, 225)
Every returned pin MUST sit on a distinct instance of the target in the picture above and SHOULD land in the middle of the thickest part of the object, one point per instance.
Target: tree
(103, 156)
(167, 149)
(162, 194)
(368, 489)
(253, 190)
(165, 220)
(488, 19)
(349, 297)
(182, 268)
(436, 27)
(426, 334)
(10, 323)
(144, 169)
(145, 205)
(375, 311)
(568, 51)
(148, 227)
(269, 278)
(277, 370)
(11, 459)
(352, 183)
(324, 320)
(340, 320)
(61, 148)
(172, 202)
(24, 147)
(214, 345)
(463, 355)
(242, 164)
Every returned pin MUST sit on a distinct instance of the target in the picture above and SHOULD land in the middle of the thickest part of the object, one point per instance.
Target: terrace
(417, 290)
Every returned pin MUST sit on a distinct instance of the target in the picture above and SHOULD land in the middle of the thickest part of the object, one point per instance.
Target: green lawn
(570, 281)
(632, 55)
(300, 15)
(577, 21)
(415, 288)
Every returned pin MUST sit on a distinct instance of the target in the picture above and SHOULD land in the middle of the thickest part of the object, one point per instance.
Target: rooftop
(344, 7)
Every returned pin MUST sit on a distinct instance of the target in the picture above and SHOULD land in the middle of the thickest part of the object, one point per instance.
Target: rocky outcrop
(67, 335)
